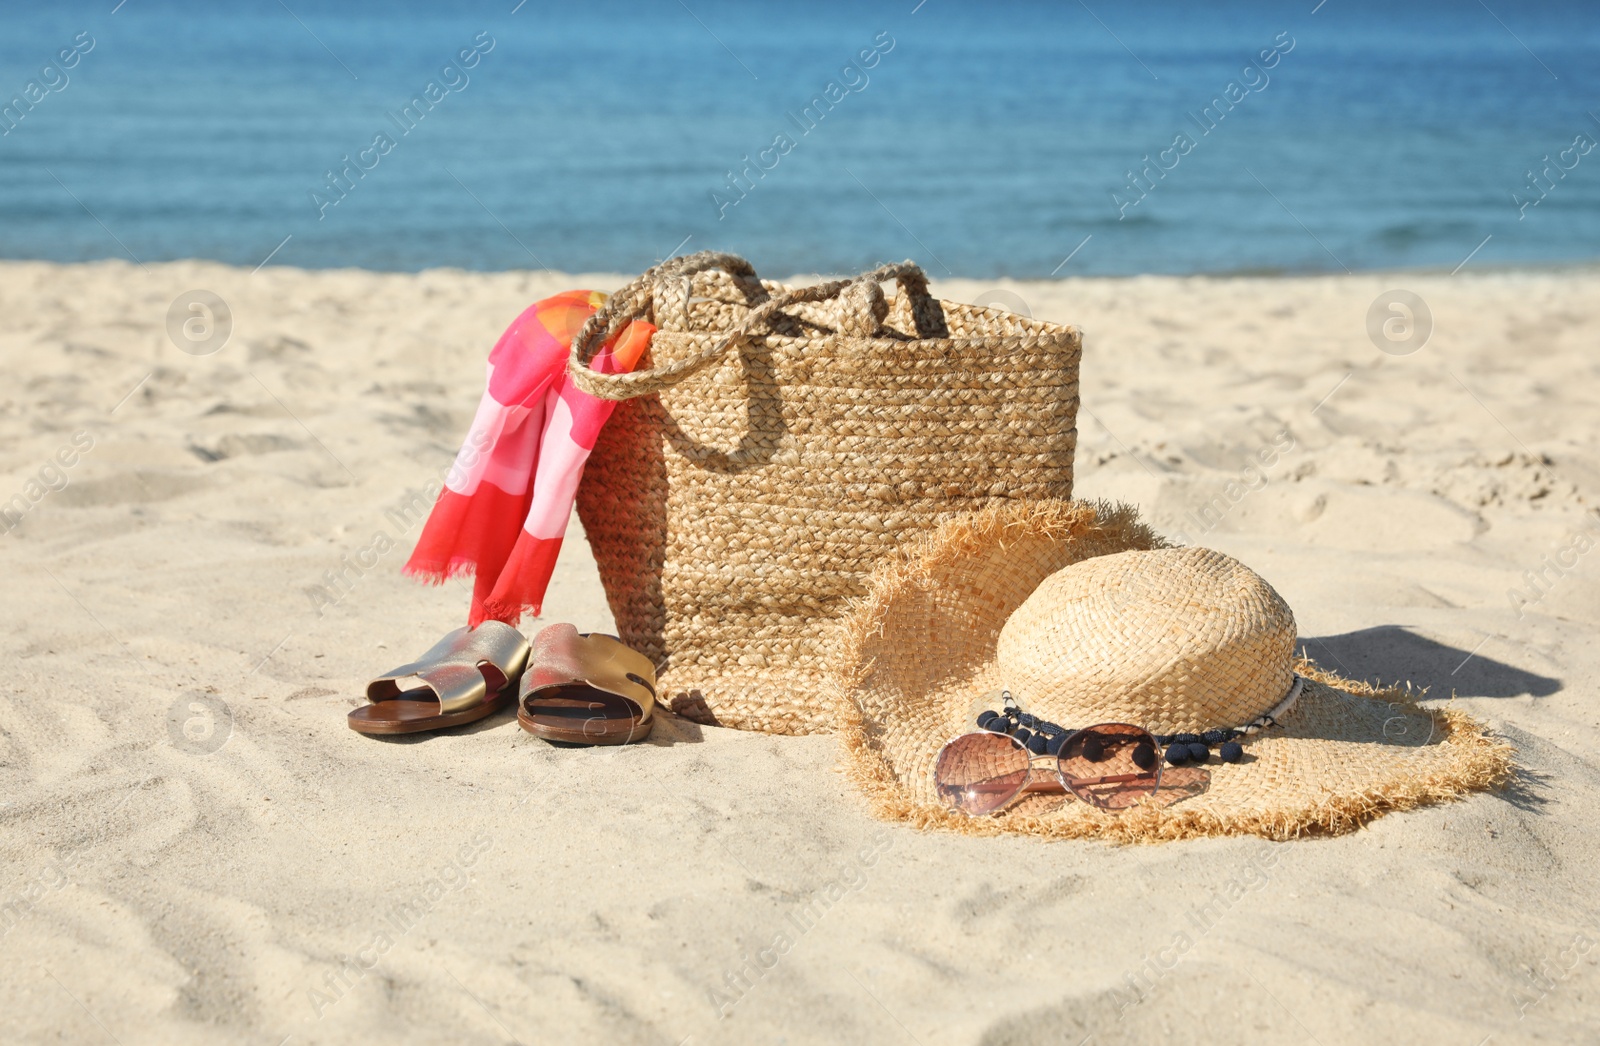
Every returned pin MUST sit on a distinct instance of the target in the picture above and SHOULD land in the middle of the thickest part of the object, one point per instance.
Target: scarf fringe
(437, 575)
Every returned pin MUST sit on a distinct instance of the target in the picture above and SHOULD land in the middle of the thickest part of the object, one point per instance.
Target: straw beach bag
(778, 442)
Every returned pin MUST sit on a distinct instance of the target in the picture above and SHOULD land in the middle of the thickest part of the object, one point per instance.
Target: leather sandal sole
(406, 714)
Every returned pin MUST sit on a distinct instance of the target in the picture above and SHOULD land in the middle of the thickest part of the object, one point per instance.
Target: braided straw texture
(1176, 639)
(778, 443)
(919, 652)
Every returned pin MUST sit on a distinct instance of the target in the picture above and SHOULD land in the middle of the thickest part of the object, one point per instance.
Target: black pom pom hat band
(1042, 737)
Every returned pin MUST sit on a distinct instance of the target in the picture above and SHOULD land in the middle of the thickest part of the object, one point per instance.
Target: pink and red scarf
(506, 502)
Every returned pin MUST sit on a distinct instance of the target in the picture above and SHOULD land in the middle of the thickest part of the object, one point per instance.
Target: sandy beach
(202, 572)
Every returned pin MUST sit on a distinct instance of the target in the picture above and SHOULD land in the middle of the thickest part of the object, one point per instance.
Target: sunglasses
(1112, 766)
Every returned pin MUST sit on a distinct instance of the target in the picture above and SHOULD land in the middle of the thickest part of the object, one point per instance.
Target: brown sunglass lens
(979, 773)
(1111, 766)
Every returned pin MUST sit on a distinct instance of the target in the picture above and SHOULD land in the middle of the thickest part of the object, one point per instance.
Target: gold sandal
(587, 689)
(469, 674)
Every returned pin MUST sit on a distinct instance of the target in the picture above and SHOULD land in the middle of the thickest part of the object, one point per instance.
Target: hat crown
(1173, 640)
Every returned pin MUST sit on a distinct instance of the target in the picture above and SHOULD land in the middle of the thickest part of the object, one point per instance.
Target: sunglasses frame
(1032, 782)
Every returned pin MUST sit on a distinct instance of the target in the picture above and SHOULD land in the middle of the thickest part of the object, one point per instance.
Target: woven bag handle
(863, 308)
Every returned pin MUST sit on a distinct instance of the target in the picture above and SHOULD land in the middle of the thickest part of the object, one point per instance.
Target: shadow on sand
(1389, 654)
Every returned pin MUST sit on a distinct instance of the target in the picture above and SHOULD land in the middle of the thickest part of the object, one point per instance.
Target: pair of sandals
(575, 688)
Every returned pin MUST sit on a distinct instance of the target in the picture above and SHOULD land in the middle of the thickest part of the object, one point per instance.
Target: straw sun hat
(1088, 617)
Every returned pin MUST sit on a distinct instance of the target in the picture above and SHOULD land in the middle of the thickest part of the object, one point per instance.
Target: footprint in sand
(244, 444)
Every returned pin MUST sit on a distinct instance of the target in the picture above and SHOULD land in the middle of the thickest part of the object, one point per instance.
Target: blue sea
(1022, 139)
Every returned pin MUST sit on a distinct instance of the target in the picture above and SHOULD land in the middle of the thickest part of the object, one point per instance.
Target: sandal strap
(562, 656)
(452, 668)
